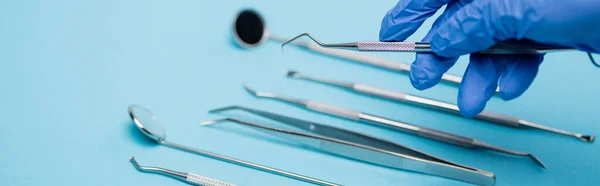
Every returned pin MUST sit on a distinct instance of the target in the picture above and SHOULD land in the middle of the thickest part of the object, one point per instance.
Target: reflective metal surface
(146, 120)
(362, 147)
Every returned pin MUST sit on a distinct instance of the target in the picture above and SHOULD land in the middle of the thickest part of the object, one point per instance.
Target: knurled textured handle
(362, 58)
(333, 110)
(498, 118)
(204, 181)
(387, 46)
(446, 137)
(398, 96)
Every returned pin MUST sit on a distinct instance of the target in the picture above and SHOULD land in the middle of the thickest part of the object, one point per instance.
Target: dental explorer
(250, 31)
(152, 128)
(360, 147)
(437, 105)
(190, 178)
(389, 123)
(521, 47)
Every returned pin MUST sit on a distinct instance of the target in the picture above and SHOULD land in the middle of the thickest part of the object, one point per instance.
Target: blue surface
(69, 69)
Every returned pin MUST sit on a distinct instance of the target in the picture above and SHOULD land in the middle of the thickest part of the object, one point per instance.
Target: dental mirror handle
(433, 104)
(249, 164)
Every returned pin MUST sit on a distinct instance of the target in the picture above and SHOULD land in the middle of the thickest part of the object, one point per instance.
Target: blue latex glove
(473, 25)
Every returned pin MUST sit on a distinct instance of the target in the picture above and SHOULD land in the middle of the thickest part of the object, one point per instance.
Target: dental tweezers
(392, 124)
(437, 105)
(362, 147)
(190, 178)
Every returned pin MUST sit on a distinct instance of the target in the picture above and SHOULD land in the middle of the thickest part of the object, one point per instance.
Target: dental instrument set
(147, 123)
(353, 115)
(250, 31)
(360, 147)
(436, 105)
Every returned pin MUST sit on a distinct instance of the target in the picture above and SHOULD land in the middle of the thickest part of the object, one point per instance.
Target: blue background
(69, 70)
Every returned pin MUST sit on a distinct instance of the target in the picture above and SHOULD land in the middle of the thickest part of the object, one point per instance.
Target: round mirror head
(146, 122)
(249, 29)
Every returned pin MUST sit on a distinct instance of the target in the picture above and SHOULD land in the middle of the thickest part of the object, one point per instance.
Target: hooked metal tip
(587, 138)
(537, 160)
(135, 163)
(303, 34)
(292, 73)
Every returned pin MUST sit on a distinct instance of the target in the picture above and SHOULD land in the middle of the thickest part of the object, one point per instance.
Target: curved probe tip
(537, 160)
(135, 163)
(298, 36)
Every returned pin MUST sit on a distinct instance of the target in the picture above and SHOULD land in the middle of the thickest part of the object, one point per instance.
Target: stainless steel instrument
(437, 105)
(441, 136)
(190, 178)
(521, 47)
(362, 147)
(152, 128)
(501, 48)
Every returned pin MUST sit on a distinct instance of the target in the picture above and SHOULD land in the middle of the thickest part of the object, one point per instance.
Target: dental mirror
(147, 123)
(151, 127)
(250, 30)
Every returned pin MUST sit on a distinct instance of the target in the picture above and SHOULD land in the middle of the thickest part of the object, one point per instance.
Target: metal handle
(452, 108)
(386, 46)
(355, 56)
(333, 110)
(499, 48)
(204, 181)
(523, 48)
(499, 119)
(372, 60)
(423, 132)
(248, 164)
(447, 137)
(393, 95)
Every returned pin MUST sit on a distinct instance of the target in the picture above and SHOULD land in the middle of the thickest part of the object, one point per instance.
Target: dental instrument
(389, 123)
(250, 31)
(361, 147)
(405, 46)
(437, 105)
(147, 123)
(190, 178)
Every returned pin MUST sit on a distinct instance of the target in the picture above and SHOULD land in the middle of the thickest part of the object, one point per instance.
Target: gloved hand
(468, 26)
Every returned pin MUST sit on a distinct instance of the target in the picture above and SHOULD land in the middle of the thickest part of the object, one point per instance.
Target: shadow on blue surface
(138, 136)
